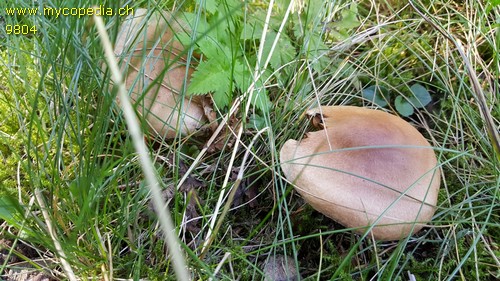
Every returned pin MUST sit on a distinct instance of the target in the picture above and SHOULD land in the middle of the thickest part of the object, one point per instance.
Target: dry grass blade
(258, 72)
(62, 256)
(230, 199)
(476, 87)
(146, 164)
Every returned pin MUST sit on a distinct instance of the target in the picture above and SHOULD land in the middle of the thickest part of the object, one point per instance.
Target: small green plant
(341, 29)
(406, 106)
(61, 134)
(223, 68)
(235, 47)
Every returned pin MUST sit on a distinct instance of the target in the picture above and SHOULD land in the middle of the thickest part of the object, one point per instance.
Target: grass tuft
(74, 196)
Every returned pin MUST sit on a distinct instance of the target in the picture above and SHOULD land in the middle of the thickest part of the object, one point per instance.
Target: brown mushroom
(365, 167)
(146, 46)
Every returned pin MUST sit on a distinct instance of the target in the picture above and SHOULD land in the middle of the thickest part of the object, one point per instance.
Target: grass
(64, 145)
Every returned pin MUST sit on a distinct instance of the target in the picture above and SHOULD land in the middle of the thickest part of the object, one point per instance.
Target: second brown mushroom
(365, 168)
(155, 69)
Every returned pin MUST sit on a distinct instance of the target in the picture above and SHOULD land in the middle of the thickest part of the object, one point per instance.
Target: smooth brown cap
(364, 165)
(146, 46)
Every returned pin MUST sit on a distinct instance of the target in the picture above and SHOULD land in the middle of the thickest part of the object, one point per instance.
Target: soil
(16, 268)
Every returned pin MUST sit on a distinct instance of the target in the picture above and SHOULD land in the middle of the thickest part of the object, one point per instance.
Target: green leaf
(188, 37)
(421, 96)
(209, 76)
(192, 19)
(313, 8)
(252, 31)
(403, 107)
(211, 6)
(223, 28)
(316, 51)
(257, 122)
(376, 95)
(234, 8)
(242, 76)
(212, 50)
(243, 79)
(10, 210)
(260, 99)
(221, 99)
(283, 53)
(349, 19)
(339, 36)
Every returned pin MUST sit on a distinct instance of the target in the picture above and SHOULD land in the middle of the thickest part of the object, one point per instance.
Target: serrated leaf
(243, 79)
(349, 19)
(316, 50)
(223, 28)
(283, 53)
(421, 96)
(242, 76)
(313, 8)
(211, 6)
(403, 107)
(193, 20)
(375, 94)
(209, 76)
(270, 37)
(221, 99)
(234, 7)
(209, 48)
(287, 51)
(222, 94)
(252, 31)
(261, 100)
(257, 122)
(189, 37)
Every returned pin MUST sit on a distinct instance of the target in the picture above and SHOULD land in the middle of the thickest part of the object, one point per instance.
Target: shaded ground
(16, 268)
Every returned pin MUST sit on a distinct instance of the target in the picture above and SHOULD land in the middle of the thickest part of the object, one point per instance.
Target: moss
(25, 123)
(11, 138)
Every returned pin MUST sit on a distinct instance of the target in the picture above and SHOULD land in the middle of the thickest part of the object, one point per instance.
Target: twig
(161, 209)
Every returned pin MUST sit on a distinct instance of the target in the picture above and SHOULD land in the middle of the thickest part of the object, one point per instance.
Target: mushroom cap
(365, 167)
(146, 46)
